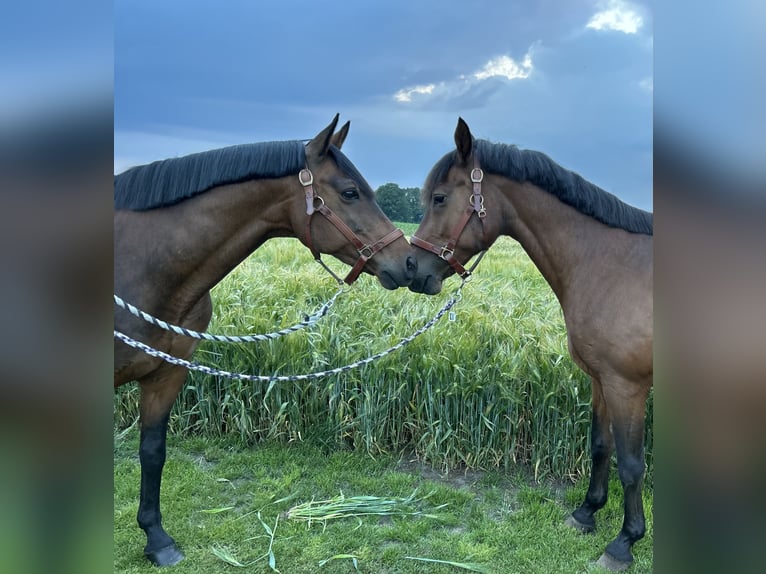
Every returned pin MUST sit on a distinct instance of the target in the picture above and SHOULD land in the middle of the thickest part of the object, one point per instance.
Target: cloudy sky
(572, 79)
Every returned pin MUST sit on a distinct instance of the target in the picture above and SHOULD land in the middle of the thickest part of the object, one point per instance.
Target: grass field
(213, 488)
(493, 393)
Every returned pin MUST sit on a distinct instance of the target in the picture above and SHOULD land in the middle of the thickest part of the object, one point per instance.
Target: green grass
(218, 495)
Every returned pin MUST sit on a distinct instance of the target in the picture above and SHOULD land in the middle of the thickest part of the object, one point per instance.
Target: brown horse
(596, 254)
(181, 225)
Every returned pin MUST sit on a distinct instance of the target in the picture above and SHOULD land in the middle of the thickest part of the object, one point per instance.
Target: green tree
(412, 196)
(400, 204)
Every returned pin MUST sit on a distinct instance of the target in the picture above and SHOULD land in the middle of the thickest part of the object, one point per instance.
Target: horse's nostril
(412, 264)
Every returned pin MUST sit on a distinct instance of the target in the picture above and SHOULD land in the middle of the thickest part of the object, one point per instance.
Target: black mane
(169, 181)
(571, 188)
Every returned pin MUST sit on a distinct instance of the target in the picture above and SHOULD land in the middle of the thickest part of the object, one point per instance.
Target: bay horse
(182, 224)
(595, 252)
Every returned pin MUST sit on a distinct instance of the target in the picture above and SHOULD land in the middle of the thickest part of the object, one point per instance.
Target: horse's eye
(439, 199)
(350, 194)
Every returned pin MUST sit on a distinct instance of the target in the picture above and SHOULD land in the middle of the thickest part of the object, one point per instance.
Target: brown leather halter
(475, 205)
(315, 203)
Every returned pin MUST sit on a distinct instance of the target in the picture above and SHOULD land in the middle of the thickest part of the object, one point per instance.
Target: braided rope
(308, 321)
(288, 378)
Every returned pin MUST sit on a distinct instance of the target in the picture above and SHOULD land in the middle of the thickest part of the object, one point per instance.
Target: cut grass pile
(355, 506)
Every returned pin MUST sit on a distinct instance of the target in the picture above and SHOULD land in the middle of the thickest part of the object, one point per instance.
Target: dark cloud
(275, 70)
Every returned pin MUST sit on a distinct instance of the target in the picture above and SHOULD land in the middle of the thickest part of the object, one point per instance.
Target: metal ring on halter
(321, 201)
(446, 253)
(366, 251)
(482, 211)
(477, 175)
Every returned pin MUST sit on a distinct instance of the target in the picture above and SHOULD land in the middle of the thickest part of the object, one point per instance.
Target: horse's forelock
(437, 175)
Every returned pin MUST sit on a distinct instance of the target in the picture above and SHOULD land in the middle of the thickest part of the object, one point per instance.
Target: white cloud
(501, 67)
(618, 16)
(405, 95)
(506, 67)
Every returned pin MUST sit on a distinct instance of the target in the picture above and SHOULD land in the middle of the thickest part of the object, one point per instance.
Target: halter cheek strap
(314, 204)
(475, 205)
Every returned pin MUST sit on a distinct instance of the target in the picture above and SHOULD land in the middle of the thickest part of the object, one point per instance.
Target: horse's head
(455, 223)
(343, 219)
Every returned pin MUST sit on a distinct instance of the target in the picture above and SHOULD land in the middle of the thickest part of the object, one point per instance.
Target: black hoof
(168, 556)
(611, 563)
(577, 525)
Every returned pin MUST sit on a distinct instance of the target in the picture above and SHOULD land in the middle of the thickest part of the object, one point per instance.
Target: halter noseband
(315, 203)
(475, 205)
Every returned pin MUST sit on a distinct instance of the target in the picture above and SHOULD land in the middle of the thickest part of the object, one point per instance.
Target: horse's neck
(220, 228)
(557, 237)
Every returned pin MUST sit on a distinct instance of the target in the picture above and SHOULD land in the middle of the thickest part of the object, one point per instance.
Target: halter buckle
(305, 177)
(366, 251)
(446, 253)
(477, 175)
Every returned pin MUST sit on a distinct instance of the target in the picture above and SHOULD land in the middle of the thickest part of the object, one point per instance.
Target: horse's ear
(340, 136)
(463, 140)
(318, 146)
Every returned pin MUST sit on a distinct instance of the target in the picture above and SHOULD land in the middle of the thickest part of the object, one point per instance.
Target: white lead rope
(308, 321)
(263, 378)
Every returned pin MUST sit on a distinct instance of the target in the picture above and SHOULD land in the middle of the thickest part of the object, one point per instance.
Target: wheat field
(493, 388)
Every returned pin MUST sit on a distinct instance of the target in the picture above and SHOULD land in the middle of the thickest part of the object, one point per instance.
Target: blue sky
(571, 79)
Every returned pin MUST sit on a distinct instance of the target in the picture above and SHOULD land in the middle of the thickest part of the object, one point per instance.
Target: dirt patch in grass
(499, 490)
(457, 478)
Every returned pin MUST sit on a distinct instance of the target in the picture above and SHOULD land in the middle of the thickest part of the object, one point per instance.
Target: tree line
(400, 204)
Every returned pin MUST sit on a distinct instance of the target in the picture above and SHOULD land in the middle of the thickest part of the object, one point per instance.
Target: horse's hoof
(611, 563)
(572, 522)
(168, 556)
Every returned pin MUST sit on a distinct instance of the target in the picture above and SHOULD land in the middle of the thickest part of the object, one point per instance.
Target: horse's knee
(152, 454)
(600, 448)
(631, 470)
(152, 446)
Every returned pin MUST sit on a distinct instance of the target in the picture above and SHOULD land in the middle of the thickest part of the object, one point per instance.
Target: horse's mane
(540, 170)
(169, 181)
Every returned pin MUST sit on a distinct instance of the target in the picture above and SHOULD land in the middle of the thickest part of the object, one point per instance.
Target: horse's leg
(627, 406)
(601, 448)
(157, 396)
